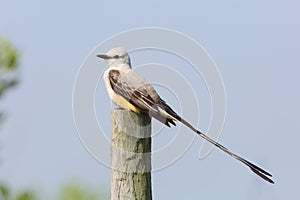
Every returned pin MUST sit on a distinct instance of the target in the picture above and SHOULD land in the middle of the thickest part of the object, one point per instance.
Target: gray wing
(140, 93)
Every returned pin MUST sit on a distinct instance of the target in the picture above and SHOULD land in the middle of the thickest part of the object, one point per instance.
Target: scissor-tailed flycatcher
(130, 91)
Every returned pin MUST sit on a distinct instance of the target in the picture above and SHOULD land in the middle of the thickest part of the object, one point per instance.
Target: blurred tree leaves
(8, 65)
(8, 56)
(75, 191)
(8, 68)
(4, 192)
(70, 191)
(26, 195)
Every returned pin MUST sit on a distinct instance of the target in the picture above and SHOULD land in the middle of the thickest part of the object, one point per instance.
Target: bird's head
(116, 56)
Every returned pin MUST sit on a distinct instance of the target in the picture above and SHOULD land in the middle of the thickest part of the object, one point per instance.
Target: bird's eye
(116, 56)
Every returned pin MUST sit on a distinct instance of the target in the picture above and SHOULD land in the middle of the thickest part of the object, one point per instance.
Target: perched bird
(132, 92)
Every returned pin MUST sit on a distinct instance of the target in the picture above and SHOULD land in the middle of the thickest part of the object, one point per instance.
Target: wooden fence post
(130, 156)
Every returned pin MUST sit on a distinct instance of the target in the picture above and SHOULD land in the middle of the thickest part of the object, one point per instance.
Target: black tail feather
(257, 170)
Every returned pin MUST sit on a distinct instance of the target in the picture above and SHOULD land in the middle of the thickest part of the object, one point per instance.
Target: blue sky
(255, 45)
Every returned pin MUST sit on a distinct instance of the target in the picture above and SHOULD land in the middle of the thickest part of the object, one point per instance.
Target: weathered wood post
(130, 156)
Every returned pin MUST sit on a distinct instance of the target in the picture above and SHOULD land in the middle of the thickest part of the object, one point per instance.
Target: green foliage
(74, 191)
(27, 195)
(70, 191)
(8, 65)
(4, 192)
(8, 55)
(8, 68)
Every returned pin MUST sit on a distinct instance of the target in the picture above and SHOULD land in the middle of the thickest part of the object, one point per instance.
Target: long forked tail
(257, 170)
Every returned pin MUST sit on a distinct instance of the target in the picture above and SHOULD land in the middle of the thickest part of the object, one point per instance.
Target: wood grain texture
(130, 156)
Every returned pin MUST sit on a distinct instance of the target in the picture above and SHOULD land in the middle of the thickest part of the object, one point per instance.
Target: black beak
(103, 56)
